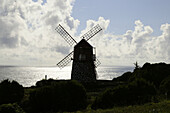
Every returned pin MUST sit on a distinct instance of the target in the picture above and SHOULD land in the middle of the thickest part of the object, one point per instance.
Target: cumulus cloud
(28, 33)
(135, 45)
(28, 36)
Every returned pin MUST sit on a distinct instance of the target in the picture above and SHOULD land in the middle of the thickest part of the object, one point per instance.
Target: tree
(136, 65)
(10, 92)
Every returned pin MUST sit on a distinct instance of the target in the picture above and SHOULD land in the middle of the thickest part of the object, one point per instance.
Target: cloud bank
(28, 36)
(135, 45)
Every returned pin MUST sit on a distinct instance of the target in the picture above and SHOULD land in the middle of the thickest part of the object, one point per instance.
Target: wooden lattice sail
(84, 60)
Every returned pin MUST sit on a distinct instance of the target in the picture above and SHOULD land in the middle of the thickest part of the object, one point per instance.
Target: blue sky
(123, 13)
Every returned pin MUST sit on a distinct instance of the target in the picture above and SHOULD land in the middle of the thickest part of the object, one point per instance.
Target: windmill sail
(65, 60)
(67, 37)
(97, 62)
(92, 32)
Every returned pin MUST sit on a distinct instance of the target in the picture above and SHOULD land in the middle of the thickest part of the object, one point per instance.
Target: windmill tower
(84, 55)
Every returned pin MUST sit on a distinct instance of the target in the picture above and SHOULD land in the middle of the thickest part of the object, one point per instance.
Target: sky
(133, 30)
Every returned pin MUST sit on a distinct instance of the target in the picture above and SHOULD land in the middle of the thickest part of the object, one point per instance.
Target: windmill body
(83, 67)
(84, 60)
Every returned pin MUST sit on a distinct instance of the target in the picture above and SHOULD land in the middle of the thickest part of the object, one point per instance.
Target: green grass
(161, 107)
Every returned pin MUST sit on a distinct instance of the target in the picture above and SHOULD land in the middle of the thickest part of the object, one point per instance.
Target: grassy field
(161, 107)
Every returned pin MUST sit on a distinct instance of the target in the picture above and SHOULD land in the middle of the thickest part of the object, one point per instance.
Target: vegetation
(146, 89)
(145, 84)
(10, 92)
(161, 107)
(165, 87)
(59, 96)
(154, 73)
(124, 78)
(11, 108)
(136, 92)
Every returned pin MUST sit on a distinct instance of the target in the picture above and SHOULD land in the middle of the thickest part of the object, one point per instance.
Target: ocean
(28, 76)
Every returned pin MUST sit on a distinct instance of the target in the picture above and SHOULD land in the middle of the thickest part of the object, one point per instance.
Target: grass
(161, 107)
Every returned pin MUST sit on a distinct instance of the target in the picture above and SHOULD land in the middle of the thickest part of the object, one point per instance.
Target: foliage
(10, 92)
(136, 65)
(154, 73)
(137, 92)
(124, 78)
(45, 82)
(59, 96)
(10, 108)
(161, 107)
(141, 91)
(165, 87)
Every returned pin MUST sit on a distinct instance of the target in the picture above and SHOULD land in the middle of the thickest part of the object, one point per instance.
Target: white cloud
(138, 45)
(27, 36)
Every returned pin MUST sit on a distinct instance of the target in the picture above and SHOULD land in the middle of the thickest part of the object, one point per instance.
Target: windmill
(84, 55)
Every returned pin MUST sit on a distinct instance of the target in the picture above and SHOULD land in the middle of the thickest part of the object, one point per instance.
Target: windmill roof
(83, 43)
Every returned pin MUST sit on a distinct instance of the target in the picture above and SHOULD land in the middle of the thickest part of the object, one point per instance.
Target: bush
(10, 92)
(110, 98)
(137, 92)
(154, 73)
(45, 82)
(60, 96)
(141, 91)
(164, 87)
(124, 78)
(10, 108)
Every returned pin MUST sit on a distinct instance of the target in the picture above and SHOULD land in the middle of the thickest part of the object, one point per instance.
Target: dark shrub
(10, 108)
(165, 87)
(137, 92)
(10, 92)
(44, 82)
(124, 78)
(60, 96)
(154, 73)
(141, 91)
(110, 98)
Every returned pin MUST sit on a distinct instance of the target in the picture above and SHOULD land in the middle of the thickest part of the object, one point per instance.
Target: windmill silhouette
(84, 55)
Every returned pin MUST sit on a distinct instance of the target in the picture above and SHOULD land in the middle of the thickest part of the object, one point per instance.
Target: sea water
(28, 76)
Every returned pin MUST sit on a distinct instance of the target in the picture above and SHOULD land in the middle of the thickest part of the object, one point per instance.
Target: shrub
(10, 92)
(60, 96)
(164, 87)
(110, 98)
(153, 73)
(137, 92)
(10, 108)
(45, 82)
(124, 78)
(141, 91)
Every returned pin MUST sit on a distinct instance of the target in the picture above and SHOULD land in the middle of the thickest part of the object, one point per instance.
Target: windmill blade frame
(67, 37)
(97, 62)
(66, 60)
(91, 32)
